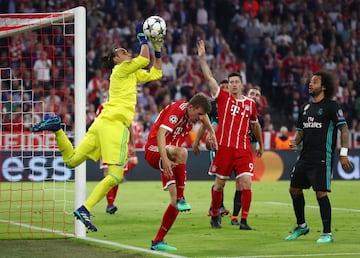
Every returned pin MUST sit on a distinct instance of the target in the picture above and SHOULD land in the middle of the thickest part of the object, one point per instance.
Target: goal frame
(11, 24)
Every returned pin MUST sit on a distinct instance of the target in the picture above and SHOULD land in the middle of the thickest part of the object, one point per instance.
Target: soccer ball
(154, 28)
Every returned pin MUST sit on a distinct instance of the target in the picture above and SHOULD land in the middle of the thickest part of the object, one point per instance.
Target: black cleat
(214, 222)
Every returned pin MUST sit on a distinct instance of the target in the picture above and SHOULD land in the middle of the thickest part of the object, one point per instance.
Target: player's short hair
(256, 87)
(327, 81)
(201, 100)
(233, 74)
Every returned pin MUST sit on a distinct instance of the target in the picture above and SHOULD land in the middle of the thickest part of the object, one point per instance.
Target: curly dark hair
(328, 82)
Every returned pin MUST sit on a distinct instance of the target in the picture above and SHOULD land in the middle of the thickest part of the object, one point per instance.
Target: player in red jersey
(164, 151)
(237, 115)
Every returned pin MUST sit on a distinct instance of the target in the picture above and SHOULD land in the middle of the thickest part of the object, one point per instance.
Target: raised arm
(144, 48)
(213, 85)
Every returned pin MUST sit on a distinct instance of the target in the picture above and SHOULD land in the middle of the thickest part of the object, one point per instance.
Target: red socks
(246, 201)
(168, 220)
(111, 195)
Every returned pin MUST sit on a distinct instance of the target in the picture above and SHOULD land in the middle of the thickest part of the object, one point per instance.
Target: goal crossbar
(14, 23)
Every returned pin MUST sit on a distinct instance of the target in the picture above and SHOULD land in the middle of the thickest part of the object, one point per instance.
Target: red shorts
(228, 160)
(152, 156)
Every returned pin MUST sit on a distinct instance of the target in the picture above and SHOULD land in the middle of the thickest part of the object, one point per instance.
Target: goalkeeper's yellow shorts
(106, 139)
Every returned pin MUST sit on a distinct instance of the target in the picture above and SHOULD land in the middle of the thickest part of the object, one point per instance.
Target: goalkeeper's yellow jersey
(123, 88)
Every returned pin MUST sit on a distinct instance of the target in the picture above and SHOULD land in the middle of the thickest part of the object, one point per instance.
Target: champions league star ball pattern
(154, 27)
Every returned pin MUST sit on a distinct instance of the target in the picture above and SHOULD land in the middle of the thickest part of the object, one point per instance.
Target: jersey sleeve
(131, 66)
(253, 117)
(145, 76)
(173, 114)
(299, 123)
(337, 115)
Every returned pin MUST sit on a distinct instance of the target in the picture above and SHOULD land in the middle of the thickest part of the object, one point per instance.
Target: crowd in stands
(276, 45)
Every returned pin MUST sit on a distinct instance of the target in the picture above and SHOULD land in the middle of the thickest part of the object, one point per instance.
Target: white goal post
(13, 24)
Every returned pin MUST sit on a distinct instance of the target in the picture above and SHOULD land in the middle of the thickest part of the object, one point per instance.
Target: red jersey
(173, 118)
(235, 117)
(99, 109)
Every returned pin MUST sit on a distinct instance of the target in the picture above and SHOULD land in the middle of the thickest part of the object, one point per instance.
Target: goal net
(42, 71)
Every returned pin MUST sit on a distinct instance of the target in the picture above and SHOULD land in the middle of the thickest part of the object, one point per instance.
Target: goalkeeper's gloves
(140, 34)
(157, 44)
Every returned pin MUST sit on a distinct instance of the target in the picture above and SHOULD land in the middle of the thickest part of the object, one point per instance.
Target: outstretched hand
(157, 43)
(201, 48)
(140, 34)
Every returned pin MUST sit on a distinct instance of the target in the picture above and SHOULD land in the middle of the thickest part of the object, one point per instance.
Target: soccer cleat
(83, 215)
(244, 226)
(325, 238)
(53, 124)
(223, 212)
(298, 231)
(111, 209)
(161, 246)
(235, 222)
(215, 222)
(182, 205)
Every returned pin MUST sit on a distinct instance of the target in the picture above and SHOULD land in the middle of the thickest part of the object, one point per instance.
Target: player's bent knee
(182, 155)
(111, 180)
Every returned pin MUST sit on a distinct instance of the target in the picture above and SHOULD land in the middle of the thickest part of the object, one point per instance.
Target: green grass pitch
(141, 206)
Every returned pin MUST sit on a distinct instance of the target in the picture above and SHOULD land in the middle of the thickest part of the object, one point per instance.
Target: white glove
(157, 43)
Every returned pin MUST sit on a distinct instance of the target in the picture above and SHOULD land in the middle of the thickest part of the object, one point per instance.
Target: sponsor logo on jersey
(311, 123)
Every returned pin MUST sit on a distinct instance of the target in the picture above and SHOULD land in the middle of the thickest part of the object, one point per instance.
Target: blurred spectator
(168, 69)
(202, 16)
(251, 7)
(282, 141)
(41, 69)
(145, 99)
(266, 42)
(96, 87)
(252, 43)
(316, 47)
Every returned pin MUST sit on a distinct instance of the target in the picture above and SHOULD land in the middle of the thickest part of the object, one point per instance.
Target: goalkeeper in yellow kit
(108, 136)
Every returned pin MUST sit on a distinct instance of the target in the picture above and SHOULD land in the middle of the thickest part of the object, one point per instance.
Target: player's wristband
(142, 39)
(344, 152)
(157, 54)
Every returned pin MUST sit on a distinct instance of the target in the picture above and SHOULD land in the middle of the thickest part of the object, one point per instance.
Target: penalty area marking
(123, 246)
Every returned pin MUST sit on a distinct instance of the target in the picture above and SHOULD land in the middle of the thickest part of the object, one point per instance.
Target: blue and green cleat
(182, 205)
(52, 123)
(325, 238)
(161, 246)
(298, 231)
